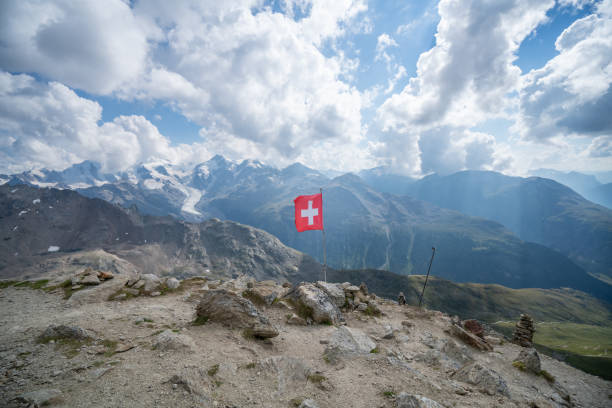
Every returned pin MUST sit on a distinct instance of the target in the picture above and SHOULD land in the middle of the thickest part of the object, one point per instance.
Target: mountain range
(365, 228)
(536, 209)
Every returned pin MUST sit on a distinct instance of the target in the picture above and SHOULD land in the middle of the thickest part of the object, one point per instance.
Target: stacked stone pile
(523, 332)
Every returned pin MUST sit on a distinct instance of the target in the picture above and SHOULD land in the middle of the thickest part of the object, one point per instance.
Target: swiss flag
(309, 212)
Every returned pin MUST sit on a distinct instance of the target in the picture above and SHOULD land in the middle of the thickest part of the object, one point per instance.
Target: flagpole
(324, 250)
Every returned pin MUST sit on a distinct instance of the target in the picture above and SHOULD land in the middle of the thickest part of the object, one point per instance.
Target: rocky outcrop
(523, 332)
(314, 303)
(486, 380)
(232, 310)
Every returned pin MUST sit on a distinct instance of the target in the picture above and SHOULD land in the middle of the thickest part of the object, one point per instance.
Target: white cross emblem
(310, 213)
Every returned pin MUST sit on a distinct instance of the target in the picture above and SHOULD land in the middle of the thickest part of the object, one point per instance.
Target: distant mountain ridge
(365, 228)
(536, 209)
(37, 223)
(586, 185)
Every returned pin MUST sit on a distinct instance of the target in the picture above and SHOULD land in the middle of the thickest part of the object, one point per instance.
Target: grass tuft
(212, 371)
(200, 321)
(520, 365)
(316, 378)
(375, 350)
(547, 376)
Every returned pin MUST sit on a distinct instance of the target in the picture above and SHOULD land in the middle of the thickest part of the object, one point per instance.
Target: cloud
(600, 147)
(572, 93)
(94, 46)
(255, 77)
(49, 125)
(463, 80)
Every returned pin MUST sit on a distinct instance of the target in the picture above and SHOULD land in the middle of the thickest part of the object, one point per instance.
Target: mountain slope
(364, 227)
(38, 224)
(536, 209)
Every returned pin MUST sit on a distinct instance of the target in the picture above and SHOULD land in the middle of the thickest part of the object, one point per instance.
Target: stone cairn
(523, 332)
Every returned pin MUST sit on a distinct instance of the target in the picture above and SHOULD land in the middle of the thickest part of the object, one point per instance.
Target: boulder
(486, 380)
(151, 282)
(405, 400)
(529, 359)
(41, 398)
(334, 291)
(234, 311)
(168, 340)
(64, 332)
(348, 341)
(172, 283)
(316, 304)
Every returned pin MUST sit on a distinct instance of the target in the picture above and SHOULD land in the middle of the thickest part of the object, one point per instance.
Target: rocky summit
(140, 340)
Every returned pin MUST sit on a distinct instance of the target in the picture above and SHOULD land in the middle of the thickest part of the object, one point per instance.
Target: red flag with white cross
(309, 212)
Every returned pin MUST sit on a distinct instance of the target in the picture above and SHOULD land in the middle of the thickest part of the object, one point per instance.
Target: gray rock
(334, 291)
(91, 279)
(405, 400)
(308, 403)
(486, 380)
(42, 397)
(64, 332)
(151, 282)
(388, 332)
(352, 289)
(317, 302)
(530, 359)
(139, 284)
(290, 372)
(348, 341)
(232, 310)
(172, 283)
(168, 340)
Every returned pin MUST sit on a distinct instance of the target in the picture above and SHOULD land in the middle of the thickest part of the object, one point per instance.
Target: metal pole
(433, 252)
(324, 249)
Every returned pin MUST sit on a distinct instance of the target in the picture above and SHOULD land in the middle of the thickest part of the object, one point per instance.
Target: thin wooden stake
(433, 252)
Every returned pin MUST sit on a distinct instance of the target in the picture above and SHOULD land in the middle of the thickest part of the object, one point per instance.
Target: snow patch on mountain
(193, 197)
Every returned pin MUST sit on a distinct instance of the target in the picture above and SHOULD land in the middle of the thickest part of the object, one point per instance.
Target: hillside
(40, 226)
(489, 303)
(536, 209)
(154, 351)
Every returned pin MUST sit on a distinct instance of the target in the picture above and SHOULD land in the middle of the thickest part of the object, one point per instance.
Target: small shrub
(375, 350)
(370, 311)
(212, 371)
(388, 394)
(200, 321)
(146, 319)
(254, 297)
(296, 402)
(316, 378)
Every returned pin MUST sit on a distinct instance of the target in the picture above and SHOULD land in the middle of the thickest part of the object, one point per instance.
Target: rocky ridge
(235, 343)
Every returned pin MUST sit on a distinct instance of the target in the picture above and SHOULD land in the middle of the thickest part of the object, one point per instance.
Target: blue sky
(418, 86)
